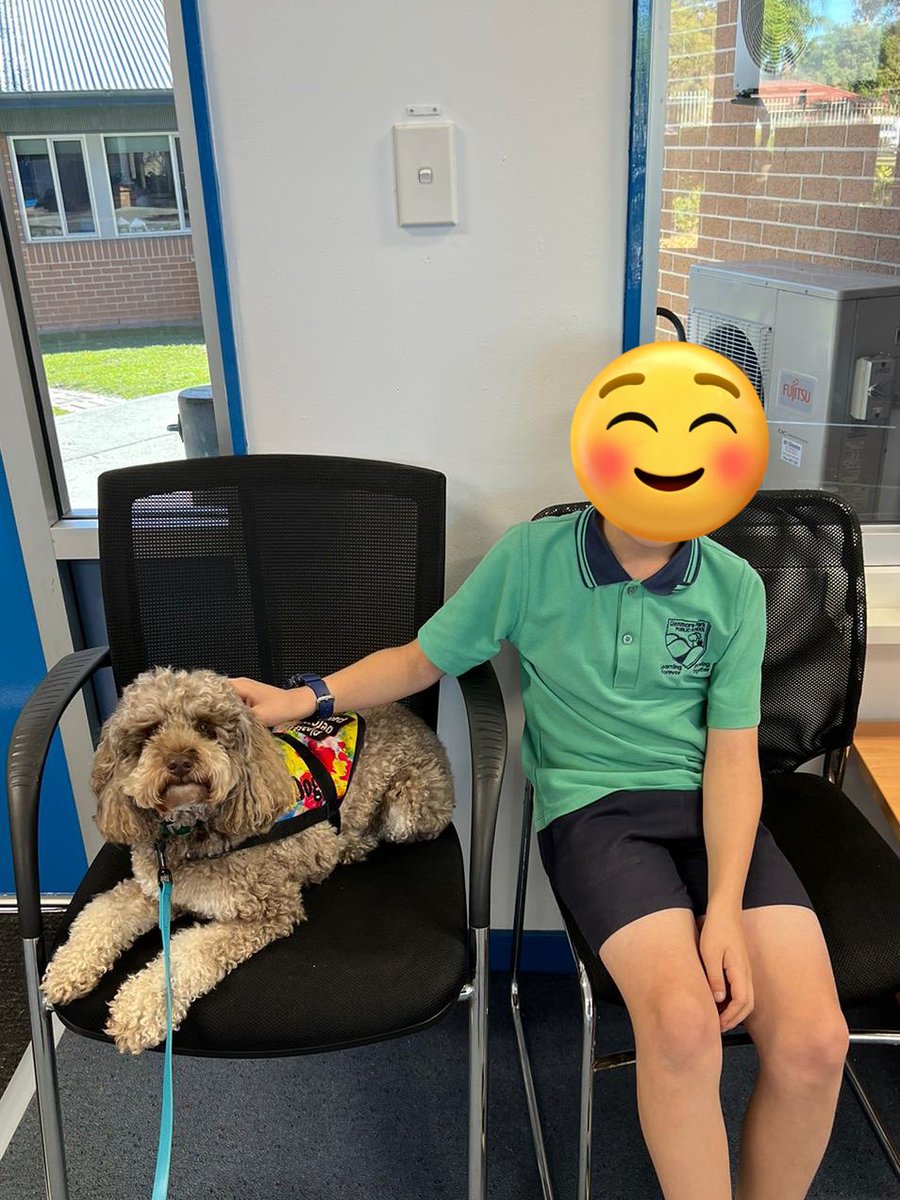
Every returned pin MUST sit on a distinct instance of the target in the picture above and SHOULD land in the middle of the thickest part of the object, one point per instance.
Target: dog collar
(168, 829)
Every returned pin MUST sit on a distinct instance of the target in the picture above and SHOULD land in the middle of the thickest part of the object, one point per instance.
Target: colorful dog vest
(320, 755)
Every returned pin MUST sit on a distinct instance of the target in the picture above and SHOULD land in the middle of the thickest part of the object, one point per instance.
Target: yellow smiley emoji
(670, 441)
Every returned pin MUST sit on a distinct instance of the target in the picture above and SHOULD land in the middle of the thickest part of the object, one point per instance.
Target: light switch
(425, 165)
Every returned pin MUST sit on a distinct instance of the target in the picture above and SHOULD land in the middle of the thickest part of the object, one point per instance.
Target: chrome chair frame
(833, 770)
(28, 751)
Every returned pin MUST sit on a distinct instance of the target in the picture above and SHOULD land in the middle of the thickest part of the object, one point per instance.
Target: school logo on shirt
(686, 643)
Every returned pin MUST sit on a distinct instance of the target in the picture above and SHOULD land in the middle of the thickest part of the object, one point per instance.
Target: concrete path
(123, 434)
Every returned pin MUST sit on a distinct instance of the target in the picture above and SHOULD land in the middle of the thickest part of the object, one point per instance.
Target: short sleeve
(468, 628)
(733, 699)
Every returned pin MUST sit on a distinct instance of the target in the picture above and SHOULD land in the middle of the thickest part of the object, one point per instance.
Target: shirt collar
(600, 566)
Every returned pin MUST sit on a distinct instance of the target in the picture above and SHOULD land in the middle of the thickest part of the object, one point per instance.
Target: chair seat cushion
(851, 874)
(384, 952)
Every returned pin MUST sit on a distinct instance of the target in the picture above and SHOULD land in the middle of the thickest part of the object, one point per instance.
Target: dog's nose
(180, 765)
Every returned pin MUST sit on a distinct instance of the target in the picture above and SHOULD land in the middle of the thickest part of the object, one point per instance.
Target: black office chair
(807, 547)
(263, 566)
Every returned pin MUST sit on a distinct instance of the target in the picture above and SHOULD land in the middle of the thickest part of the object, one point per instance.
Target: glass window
(74, 186)
(49, 168)
(146, 190)
(782, 158)
(38, 188)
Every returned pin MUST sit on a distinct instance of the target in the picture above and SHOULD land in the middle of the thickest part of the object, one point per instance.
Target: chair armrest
(488, 740)
(28, 749)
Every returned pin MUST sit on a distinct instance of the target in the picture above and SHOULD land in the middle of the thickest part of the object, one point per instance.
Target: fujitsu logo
(796, 391)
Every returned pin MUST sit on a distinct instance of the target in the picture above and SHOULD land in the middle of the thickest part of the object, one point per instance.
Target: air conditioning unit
(822, 349)
(769, 43)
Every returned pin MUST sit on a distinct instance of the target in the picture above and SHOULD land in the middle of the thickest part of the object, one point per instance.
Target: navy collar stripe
(599, 566)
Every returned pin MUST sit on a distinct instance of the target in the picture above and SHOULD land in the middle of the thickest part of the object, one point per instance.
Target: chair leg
(874, 1120)
(478, 1068)
(43, 1051)
(588, 1050)
(534, 1115)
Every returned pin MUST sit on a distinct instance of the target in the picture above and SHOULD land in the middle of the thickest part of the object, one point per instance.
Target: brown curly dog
(183, 748)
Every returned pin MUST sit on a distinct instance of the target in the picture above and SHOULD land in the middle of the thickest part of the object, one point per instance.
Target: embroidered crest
(686, 640)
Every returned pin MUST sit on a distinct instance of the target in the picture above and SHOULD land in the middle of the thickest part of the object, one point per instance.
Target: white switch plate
(417, 146)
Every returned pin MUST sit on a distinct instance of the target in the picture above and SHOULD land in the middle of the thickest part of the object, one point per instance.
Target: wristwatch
(324, 698)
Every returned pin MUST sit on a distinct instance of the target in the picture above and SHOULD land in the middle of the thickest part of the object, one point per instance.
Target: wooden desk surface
(877, 745)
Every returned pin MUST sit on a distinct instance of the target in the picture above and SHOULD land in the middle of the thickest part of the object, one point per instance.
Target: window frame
(184, 227)
(50, 139)
(881, 542)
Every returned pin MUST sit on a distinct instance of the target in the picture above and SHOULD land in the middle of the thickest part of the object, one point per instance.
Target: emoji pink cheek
(605, 463)
(732, 464)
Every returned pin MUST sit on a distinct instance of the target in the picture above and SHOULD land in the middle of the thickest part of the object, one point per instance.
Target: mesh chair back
(266, 565)
(807, 547)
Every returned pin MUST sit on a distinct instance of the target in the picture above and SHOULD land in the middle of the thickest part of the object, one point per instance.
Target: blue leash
(166, 1119)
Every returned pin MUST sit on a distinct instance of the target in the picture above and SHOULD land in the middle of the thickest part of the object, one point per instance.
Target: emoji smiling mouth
(668, 483)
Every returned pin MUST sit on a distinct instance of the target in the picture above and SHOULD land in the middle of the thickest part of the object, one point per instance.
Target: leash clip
(163, 874)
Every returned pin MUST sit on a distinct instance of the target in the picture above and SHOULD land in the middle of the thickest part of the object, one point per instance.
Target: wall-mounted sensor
(425, 166)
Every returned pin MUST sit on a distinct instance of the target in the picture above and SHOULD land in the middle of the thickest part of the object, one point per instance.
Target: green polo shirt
(621, 678)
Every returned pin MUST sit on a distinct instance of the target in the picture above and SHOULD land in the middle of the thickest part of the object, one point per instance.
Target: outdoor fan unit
(768, 44)
(822, 349)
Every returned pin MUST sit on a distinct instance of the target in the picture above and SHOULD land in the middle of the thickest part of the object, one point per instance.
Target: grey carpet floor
(14, 1032)
(390, 1120)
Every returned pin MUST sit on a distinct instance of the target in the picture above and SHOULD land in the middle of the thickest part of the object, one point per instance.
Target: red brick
(823, 188)
(807, 162)
(857, 191)
(715, 227)
(779, 235)
(838, 216)
(863, 135)
(816, 240)
(797, 214)
(746, 231)
(849, 164)
(732, 206)
(879, 220)
(783, 185)
(706, 160)
(855, 245)
(790, 135)
(827, 136)
(888, 250)
(722, 135)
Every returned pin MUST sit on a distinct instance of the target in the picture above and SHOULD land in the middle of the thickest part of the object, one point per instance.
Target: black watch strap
(324, 698)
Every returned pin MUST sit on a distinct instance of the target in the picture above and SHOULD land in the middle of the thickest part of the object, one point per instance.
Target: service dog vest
(320, 754)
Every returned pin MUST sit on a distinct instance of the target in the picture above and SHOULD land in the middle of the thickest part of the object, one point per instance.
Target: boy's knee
(681, 1030)
(808, 1051)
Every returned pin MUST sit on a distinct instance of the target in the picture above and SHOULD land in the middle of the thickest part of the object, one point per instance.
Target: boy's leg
(801, 1038)
(656, 966)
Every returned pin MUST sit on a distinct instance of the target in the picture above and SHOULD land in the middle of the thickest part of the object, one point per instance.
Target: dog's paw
(68, 977)
(137, 1013)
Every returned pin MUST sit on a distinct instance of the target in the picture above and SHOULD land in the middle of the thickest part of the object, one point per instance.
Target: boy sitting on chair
(641, 644)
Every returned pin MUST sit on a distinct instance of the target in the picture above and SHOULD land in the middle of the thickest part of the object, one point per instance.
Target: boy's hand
(273, 705)
(723, 952)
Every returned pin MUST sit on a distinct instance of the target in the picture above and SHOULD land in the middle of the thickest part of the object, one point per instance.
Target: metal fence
(696, 107)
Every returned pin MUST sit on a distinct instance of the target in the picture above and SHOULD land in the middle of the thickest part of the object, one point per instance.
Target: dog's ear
(263, 790)
(116, 817)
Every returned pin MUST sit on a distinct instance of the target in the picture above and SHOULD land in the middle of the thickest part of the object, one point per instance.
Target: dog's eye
(150, 731)
(206, 729)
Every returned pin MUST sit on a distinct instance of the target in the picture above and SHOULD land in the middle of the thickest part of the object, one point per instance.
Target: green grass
(126, 362)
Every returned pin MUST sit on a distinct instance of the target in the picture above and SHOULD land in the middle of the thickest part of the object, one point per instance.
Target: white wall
(461, 349)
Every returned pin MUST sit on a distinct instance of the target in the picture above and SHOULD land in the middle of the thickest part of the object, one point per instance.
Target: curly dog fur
(183, 747)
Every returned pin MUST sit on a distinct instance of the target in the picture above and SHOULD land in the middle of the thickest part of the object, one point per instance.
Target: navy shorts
(632, 853)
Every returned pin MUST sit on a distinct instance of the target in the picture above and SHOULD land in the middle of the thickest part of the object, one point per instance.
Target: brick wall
(102, 283)
(734, 190)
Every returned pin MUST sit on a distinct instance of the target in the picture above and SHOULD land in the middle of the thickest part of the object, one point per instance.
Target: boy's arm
(376, 679)
(732, 802)
(465, 631)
